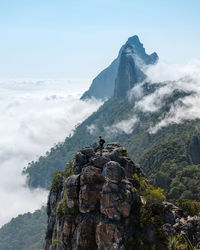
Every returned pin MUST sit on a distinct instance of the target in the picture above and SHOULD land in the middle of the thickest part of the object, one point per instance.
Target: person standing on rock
(101, 142)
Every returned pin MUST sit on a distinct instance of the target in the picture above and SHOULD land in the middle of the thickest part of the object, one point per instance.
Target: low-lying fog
(34, 116)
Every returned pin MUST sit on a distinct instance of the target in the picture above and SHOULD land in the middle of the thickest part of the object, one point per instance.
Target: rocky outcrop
(103, 85)
(179, 223)
(106, 203)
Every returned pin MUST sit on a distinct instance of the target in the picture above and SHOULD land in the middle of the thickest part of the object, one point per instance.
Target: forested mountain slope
(115, 121)
(25, 232)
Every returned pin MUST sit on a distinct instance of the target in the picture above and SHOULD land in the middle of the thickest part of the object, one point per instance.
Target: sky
(76, 39)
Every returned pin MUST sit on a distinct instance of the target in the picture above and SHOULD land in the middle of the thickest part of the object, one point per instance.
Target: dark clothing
(101, 142)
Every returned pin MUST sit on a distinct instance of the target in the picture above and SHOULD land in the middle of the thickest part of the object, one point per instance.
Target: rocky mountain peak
(104, 84)
(134, 40)
(105, 202)
(138, 49)
(132, 59)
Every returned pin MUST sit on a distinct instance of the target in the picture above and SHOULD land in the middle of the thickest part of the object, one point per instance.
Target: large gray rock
(79, 162)
(109, 236)
(91, 175)
(80, 159)
(88, 152)
(72, 190)
(113, 171)
(116, 200)
(89, 197)
(100, 161)
(84, 234)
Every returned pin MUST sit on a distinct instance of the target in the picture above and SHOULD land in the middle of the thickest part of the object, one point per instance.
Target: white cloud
(34, 116)
(163, 71)
(136, 92)
(153, 102)
(176, 77)
(124, 126)
(92, 129)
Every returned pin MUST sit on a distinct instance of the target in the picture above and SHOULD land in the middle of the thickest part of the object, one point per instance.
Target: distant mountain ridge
(103, 85)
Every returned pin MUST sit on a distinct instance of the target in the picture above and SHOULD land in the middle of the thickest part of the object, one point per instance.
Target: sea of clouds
(34, 116)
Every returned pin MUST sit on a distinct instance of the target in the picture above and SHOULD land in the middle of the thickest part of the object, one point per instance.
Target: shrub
(61, 208)
(56, 185)
(123, 153)
(139, 183)
(69, 170)
(192, 207)
(154, 196)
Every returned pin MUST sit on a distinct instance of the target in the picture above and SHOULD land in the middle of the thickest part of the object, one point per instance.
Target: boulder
(113, 172)
(89, 198)
(108, 236)
(116, 200)
(85, 232)
(91, 175)
(88, 152)
(129, 167)
(80, 159)
(100, 161)
(72, 190)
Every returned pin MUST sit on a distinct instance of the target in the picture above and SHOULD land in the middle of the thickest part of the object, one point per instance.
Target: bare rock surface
(100, 205)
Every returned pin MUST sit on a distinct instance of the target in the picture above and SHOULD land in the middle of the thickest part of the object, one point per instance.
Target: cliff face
(104, 202)
(129, 74)
(103, 85)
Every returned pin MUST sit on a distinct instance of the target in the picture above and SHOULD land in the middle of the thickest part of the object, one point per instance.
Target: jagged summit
(139, 50)
(134, 40)
(103, 85)
(105, 202)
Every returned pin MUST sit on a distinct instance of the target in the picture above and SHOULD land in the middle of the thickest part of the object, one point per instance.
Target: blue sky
(78, 38)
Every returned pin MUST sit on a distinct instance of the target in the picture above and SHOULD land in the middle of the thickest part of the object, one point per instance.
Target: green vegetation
(68, 170)
(151, 215)
(177, 243)
(56, 185)
(149, 193)
(62, 208)
(192, 207)
(168, 165)
(25, 232)
(57, 178)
